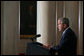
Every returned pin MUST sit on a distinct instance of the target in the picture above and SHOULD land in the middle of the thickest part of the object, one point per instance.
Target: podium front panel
(34, 49)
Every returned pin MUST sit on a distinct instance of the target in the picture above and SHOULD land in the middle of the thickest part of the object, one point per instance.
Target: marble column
(46, 22)
(9, 22)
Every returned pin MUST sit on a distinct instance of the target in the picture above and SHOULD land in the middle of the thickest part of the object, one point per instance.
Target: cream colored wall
(72, 12)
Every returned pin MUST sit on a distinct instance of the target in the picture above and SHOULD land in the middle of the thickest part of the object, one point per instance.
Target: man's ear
(65, 25)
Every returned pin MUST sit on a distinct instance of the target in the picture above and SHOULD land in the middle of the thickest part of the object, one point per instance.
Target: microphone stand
(34, 42)
(33, 39)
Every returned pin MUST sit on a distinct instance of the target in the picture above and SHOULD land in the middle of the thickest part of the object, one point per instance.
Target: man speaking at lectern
(68, 42)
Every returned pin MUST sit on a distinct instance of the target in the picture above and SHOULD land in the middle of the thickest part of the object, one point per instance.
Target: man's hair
(64, 21)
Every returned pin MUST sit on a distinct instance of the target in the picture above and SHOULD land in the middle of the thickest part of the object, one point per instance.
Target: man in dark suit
(68, 42)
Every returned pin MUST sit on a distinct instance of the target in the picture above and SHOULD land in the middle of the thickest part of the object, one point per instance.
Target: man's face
(60, 25)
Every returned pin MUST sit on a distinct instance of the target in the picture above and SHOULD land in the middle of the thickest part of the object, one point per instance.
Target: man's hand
(47, 46)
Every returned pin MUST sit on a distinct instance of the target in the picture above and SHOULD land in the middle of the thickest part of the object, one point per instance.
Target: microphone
(37, 35)
(34, 37)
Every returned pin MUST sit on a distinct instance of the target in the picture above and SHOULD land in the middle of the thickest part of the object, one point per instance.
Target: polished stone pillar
(80, 21)
(9, 22)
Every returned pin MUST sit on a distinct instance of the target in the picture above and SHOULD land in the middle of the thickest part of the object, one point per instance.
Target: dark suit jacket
(67, 45)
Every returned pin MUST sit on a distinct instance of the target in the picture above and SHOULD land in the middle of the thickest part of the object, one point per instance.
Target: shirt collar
(65, 30)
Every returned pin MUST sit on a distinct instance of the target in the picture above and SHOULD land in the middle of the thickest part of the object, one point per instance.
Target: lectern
(36, 49)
